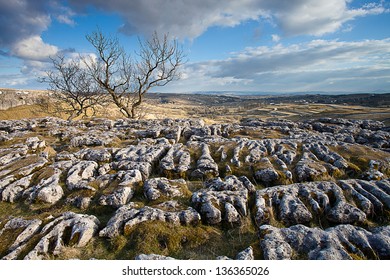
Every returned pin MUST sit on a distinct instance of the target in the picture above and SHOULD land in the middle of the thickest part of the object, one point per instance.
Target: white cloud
(313, 55)
(318, 17)
(21, 19)
(23, 22)
(63, 14)
(14, 80)
(188, 18)
(317, 65)
(26, 20)
(275, 38)
(182, 18)
(33, 48)
(66, 19)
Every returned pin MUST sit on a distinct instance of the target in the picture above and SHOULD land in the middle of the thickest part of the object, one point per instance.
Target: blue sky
(246, 45)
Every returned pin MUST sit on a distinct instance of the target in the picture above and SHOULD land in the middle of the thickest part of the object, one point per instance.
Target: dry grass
(213, 111)
(22, 112)
(359, 157)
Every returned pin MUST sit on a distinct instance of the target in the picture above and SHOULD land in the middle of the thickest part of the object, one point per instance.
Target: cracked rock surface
(182, 189)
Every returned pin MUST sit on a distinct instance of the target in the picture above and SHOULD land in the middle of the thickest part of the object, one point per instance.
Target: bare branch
(74, 91)
(127, 80)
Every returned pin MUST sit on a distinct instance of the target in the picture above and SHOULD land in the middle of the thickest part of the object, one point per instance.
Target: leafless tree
(73, 91)
(128, 79)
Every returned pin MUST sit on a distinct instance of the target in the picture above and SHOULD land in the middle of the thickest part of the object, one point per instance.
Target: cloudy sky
(231, 45)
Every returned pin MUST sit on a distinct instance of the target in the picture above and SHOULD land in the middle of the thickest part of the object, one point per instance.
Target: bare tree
(127, 80)
(73, 91)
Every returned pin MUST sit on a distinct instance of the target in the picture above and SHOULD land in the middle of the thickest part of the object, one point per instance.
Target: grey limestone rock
(211, 213)
(127, 216)
(82, 228)
(129, 178)
(117, 198)
(115, 225)
(97, 155)
(79, 201)
(48, 190)
(176, 162)
(35, 143)
(157, 187)
(30, 228)
(140, 157)
(92, 138)
(342, 202)
(205, 166)
(141, 153)
(309, 157)
(185, 217)
(145, 168)
(267, 175)
(81, 174)
(308, 168)
(23, 166)
(231, 214)
(9, 155)
(219, 197)
(154, 257)
(14, 191)
(345, 213)
(336, 243)
(246, 254)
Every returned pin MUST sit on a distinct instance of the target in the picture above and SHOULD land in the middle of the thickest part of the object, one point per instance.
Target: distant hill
(10, 98)
(362, 99)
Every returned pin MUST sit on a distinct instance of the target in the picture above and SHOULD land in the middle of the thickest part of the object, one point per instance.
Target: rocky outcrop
(68, 229)
(314, 189)
(162, 187)
(23, 166)
(47, 190)
(343, 242)
(140, 157)
(13, 191)
(205, 166)
(29, 229)
(245, 255)
(222, 200)
(152, 257)
(127, 182)
(342, 202)
(93, 138)
(81, 174)
(117, 198)
(176, 162)
(128, 216)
